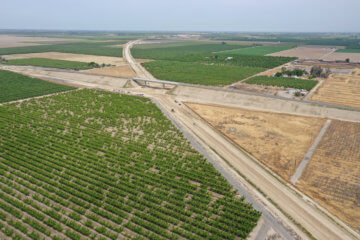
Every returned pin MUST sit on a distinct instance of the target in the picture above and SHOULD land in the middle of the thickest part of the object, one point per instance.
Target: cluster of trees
(96, 65)
(317, 71)
(296, 72)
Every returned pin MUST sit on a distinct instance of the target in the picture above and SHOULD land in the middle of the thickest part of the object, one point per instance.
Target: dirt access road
(315, 221)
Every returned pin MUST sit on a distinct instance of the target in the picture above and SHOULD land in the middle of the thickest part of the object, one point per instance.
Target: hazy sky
(183, 15)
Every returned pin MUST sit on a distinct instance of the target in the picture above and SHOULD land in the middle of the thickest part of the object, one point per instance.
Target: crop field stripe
(258, 51)
(90, 48)
(349, 50)
(283, 82)
(65, 177)
(167, 53)
(51, 63)
(14, 86)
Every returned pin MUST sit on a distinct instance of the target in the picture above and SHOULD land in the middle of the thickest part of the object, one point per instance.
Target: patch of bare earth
(125, 71)
(340, 56)
(332, 176)
(280, 141)
(305, 52)
(7, 41)
(340, 89)
(71, 57)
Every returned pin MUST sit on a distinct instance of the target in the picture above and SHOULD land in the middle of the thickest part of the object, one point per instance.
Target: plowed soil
(340, 89)
(124, 71)
(305, 52)
(332, 176)
(71, 57)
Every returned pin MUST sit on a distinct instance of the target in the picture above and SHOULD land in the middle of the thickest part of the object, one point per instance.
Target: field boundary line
(320, 83)
(294, 178)
(36, 97)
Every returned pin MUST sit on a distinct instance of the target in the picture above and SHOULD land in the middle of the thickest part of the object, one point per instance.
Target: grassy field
(199, 73)
(283, 82)
(332, 175)
(90, 48)
(97, 165)
(280, 141)
(14, 86)
(259, 51)
(52, 63)
(176, 52)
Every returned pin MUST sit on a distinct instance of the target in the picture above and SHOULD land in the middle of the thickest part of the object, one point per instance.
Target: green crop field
(349, 50)
(52, 63)
(237, 60)
(14, 86)
(283, 82)
(97, 165)
(176, 52)
(198, 73)
(167, 44)
(90, 48)
(259, 51)
(203, 64)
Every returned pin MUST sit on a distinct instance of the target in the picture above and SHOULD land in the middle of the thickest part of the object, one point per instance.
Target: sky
(183, 15)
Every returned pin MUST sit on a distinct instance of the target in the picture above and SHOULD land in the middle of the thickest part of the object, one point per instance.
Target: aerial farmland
(178, 134)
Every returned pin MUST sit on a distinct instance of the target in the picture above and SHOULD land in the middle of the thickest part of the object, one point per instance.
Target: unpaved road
(137, 68)
(310, 152)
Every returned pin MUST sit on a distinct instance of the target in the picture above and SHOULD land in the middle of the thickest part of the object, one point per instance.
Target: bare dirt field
(20, 41)
(124, 71)
(71, 57)
(310, 52)
(340, 56)
(280, 141)
(332, 176)
(270, 90)
(341, 89)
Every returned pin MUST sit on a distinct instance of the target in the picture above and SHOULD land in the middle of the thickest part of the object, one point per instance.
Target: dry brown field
(332, 176)
(7, 41)
(340, 89)
(71, 57)
(280, 141)
(340, 56)
(124, 71)
(305, 52)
